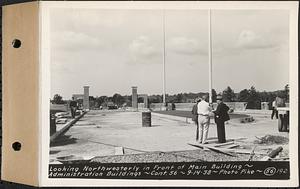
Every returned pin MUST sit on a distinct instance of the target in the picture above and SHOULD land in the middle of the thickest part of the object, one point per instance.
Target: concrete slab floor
(99, 132)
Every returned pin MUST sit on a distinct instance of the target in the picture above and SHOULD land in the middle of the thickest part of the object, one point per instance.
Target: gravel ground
(182, 156)
(201, 155)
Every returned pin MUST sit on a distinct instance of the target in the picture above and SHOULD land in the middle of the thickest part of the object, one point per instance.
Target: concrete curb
(66, 127)
(190, 121)
(255, 112)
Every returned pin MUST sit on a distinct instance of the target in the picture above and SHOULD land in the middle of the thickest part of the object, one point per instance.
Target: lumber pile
(230, 148)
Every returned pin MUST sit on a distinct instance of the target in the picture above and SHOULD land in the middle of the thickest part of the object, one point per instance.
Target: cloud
(74, 41)
(142, 48)
(250, 40)
(186, 46)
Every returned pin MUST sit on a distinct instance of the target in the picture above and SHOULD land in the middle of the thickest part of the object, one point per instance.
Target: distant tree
(170, 98)
(243, 95)
(140, 100)
(92, 98)
(254, 101)
(155, 99)
(228, 95)
(214, 95)
(118, 99)
(57, 99)
(178, 98)
(128, 100)
(110, 99)
(264, 96)
(101, 100)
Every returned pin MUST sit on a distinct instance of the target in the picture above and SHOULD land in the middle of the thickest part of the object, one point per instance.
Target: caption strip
(195, 170)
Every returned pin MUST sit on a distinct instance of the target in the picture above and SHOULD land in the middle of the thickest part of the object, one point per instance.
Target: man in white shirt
(203, 110)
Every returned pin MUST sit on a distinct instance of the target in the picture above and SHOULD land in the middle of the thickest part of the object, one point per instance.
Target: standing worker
(73, 107)
(203, 110)
(195, 116)
(221, 115)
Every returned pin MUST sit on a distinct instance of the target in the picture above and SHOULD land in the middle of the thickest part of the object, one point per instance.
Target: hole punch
(16, 43)
(16, 146)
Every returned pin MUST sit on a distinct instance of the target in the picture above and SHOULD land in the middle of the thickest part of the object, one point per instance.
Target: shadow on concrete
(155, 125)
(63, 140)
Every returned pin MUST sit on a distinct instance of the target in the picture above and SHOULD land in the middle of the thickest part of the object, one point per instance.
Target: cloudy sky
(112, 50)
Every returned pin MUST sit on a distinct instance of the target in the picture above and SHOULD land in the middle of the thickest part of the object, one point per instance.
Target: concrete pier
(86, 94)
(134, 98)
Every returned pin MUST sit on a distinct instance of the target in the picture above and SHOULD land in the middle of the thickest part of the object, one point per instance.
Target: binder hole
(16, 43)
(16, 146)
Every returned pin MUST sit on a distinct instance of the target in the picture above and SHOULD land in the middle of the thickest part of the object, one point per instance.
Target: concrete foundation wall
(156, 106)
(60, 107)
(238, 106)
(184, 106)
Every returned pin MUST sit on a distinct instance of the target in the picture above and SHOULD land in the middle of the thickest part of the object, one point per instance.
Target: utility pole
(164, 60)
(209, 56)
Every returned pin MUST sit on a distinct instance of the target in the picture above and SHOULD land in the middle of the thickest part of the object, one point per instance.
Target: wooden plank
(223, 144)
(244, 151)
(119, 150)
(241, 138)
(252, 154)
(203, 146)
(232, 146)
(225, 150)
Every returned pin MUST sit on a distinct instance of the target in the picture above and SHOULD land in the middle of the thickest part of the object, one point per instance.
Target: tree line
(252, 96)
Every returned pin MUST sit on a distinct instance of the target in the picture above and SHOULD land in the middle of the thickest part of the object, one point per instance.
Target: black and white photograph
(175, 93)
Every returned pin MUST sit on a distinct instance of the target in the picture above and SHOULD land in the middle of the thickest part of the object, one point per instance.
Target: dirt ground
(98, 134)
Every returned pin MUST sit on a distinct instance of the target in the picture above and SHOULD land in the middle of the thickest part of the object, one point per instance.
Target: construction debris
(203, 146)
(271, 139)
(247, 119)
(272, 154)
(252, 154)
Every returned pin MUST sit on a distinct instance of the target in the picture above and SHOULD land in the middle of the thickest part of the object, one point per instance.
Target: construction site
(140, 134)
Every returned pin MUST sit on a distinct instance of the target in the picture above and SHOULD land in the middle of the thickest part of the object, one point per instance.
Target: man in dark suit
(73, 107)
(221, 115)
